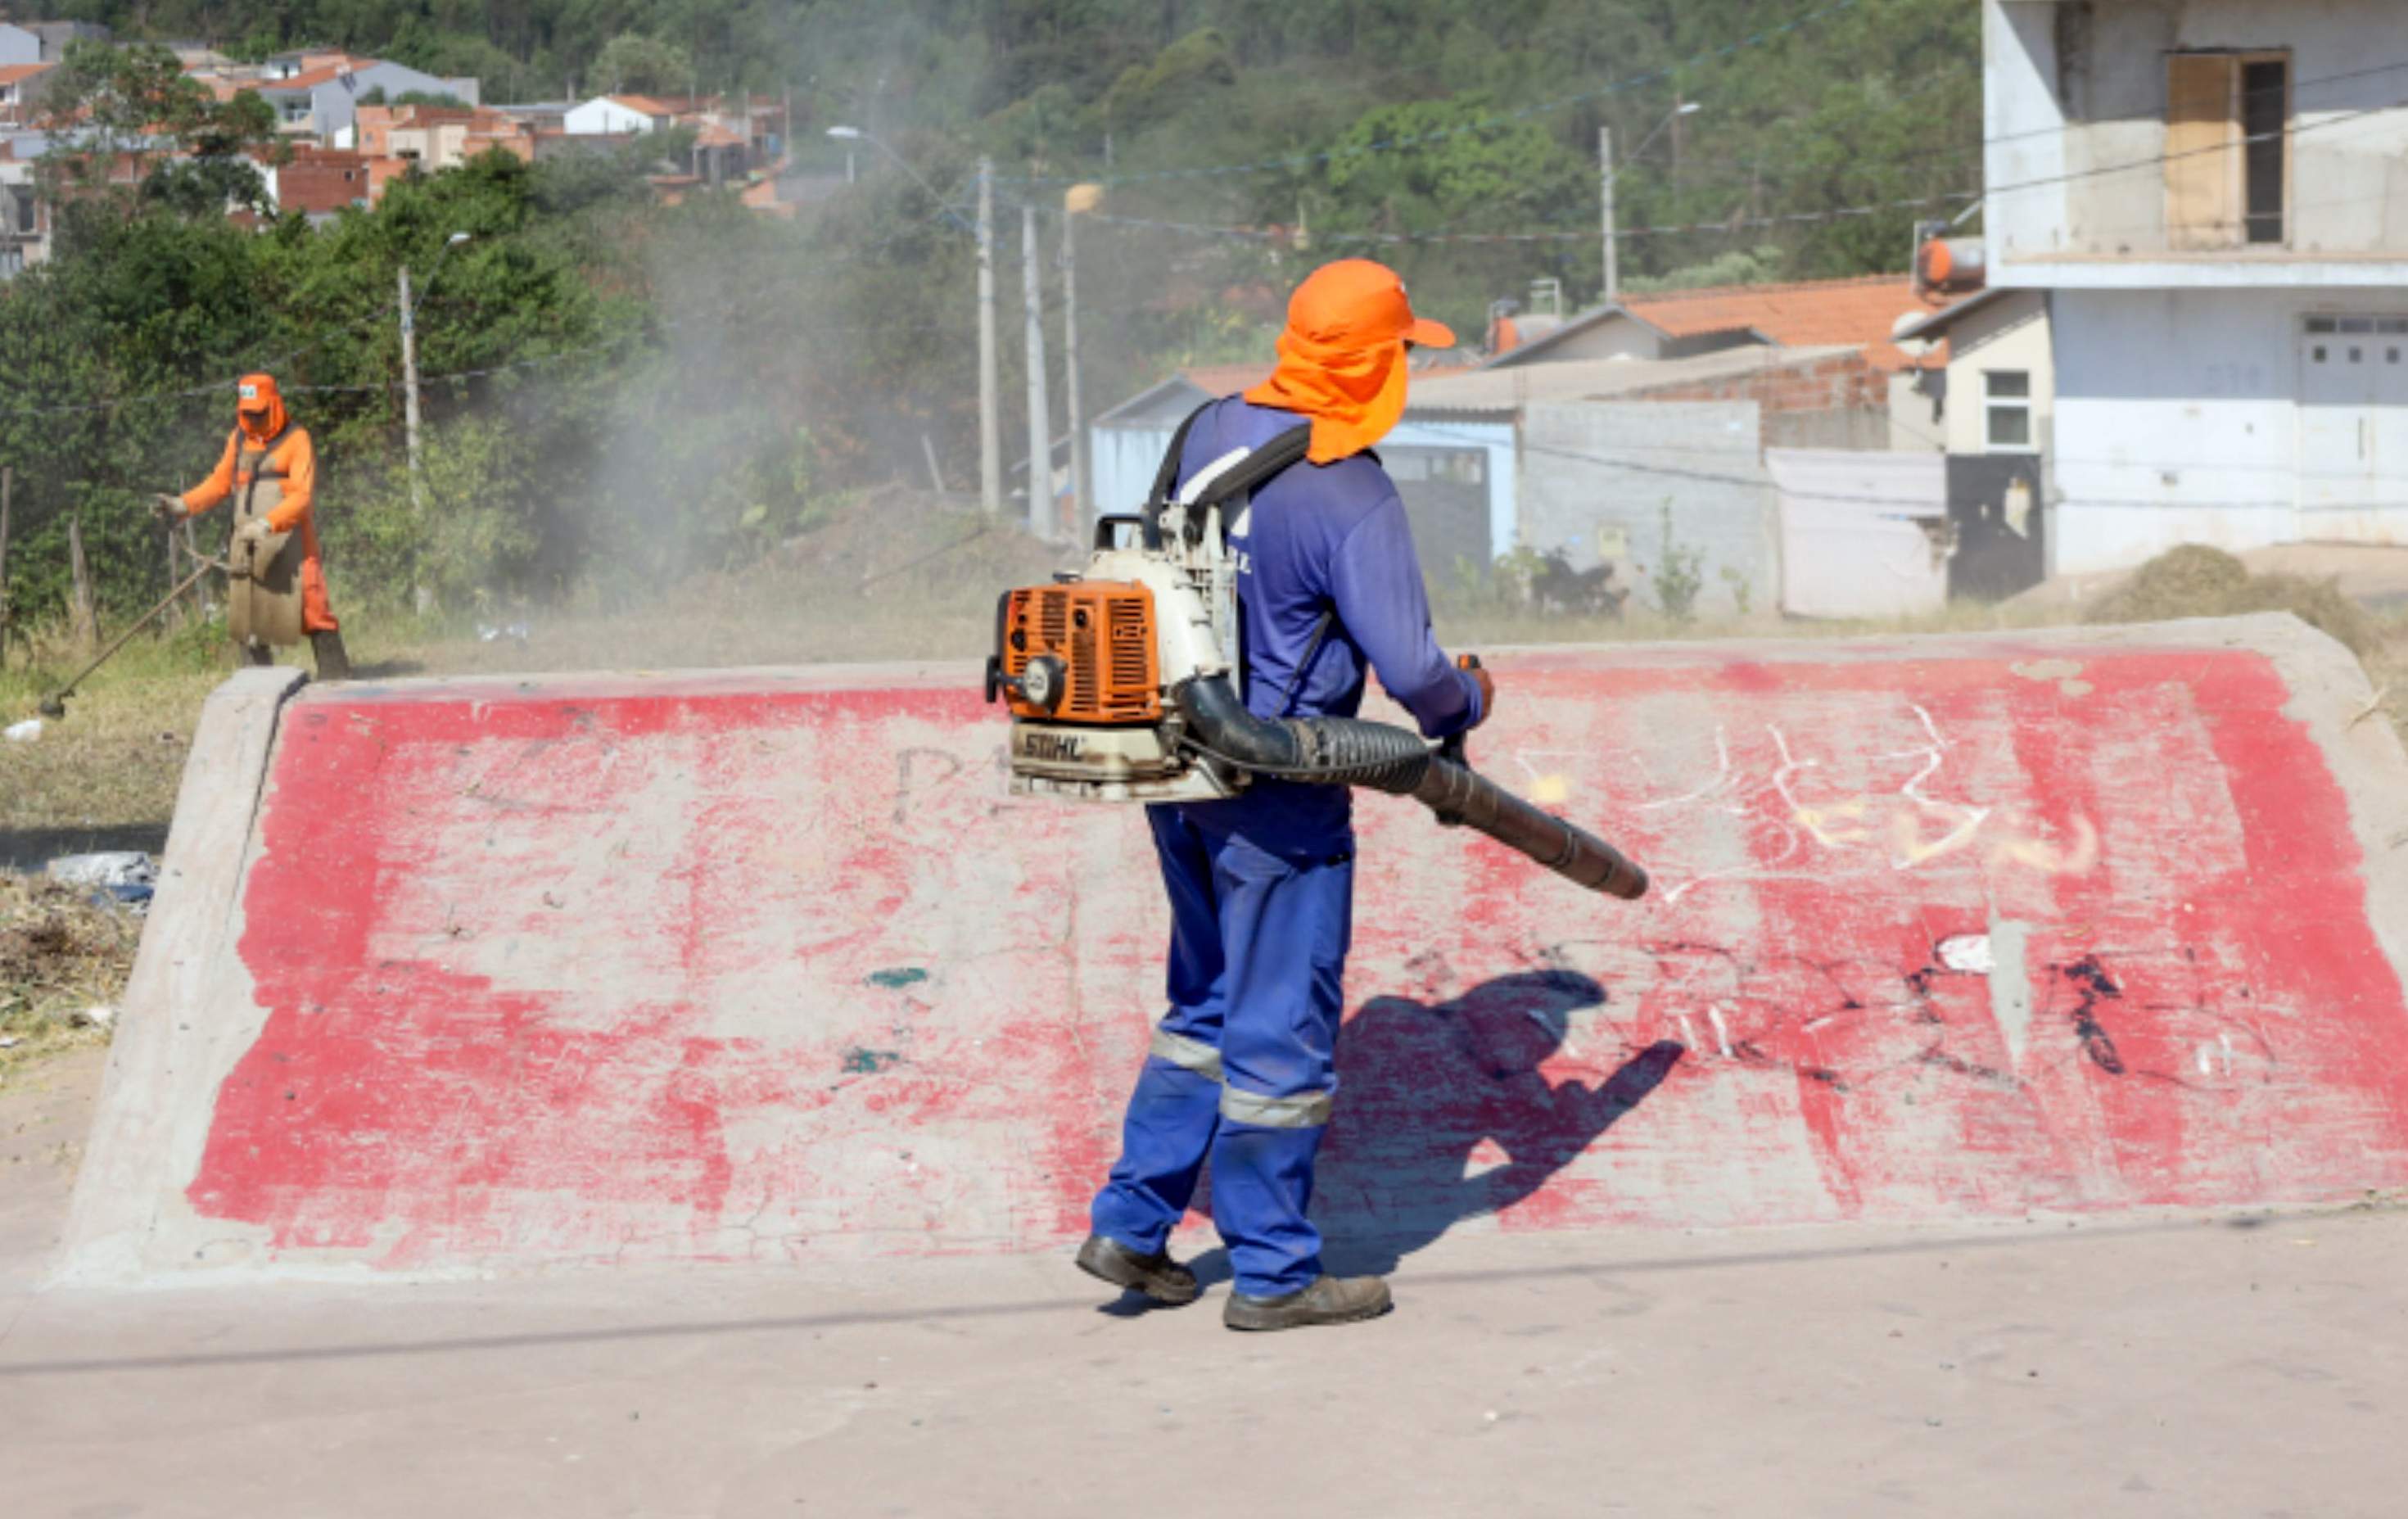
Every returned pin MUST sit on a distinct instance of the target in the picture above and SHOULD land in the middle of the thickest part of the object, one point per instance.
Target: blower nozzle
(1351, 752)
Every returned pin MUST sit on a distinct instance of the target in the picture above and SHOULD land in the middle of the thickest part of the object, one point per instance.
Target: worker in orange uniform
(270, 472)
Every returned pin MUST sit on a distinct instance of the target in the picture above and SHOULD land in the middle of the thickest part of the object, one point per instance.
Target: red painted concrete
(750, 969)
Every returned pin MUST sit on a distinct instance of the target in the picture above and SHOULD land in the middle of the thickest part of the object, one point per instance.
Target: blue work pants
(1242, 1066)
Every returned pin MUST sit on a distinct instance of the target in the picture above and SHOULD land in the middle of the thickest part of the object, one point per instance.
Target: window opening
(2008, 423)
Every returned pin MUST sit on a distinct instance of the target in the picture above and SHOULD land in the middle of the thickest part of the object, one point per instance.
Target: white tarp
(1862, 531)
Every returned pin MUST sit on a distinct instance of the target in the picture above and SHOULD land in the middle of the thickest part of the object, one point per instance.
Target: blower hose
(1351, 751)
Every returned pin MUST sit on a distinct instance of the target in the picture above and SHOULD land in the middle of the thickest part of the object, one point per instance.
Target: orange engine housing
(1102, 631)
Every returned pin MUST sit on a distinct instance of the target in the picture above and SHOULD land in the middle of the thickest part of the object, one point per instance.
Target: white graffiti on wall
(1918, 823)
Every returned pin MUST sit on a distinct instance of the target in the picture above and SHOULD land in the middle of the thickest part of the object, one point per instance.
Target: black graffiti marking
(2093, 986)
(1918, 989)
(1987, 1074)
(2097, 996)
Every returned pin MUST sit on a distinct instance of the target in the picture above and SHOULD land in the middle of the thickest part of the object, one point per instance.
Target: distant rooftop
(1860, 312)
(1502, 390)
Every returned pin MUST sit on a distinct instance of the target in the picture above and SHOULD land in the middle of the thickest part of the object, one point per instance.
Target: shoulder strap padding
(1288, 448)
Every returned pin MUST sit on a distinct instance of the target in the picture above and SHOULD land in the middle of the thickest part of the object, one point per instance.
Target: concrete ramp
(464, 976)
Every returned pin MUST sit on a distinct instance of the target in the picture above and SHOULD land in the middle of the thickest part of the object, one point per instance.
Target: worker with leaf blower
(1261, 884)
(276, 592)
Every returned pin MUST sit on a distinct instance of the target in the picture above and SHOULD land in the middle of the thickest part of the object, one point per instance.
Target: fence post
(85, 616)
(7, 489)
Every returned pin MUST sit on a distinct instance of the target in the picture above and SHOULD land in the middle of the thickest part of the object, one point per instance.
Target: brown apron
(263, 592)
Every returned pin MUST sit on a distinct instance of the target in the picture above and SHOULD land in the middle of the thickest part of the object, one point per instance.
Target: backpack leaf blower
(1120, 691)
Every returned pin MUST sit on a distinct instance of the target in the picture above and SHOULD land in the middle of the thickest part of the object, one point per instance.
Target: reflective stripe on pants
(1187, 1053)
(1305, 1110)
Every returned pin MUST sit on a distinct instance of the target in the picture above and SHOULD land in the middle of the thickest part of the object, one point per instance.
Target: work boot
(1157, 1275)
(1331, 1299)
(333, 664)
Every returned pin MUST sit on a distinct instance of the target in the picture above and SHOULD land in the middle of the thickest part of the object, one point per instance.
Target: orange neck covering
(1353, 393)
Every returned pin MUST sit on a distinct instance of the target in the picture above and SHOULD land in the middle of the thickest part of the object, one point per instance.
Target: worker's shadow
(1445, 1115)
(1427, 1092)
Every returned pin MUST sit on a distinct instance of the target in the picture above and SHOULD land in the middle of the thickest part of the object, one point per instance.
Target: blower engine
(1120, 691)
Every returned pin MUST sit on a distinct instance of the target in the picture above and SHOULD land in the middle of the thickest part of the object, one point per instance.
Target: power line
(2286, 87)
(2236, 145)
(1582, 234)
(1731, 175)
(218, 387)
(1269, 235)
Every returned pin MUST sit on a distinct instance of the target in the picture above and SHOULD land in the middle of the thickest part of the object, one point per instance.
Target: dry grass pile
(2195, 580)
(62, 955)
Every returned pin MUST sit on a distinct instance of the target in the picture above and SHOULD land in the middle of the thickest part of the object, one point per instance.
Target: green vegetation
(623, 395)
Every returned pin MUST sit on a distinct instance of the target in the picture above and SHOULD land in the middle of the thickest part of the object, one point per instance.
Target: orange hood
(1343, 356)
(258, 409)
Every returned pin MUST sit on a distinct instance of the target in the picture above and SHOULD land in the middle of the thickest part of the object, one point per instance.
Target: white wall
(1123, 461)
(1597, 472)
(19, 46)
(2064, 97)
(2177, 420)
(1915, 420)
(604, 117)
(1858, 530)
(2009, 333)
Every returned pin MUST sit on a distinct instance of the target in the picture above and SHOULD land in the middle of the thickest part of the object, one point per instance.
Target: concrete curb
(190, 924)
(495, 1043)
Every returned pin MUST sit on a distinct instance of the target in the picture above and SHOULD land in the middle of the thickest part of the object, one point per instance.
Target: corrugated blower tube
(1351, 752)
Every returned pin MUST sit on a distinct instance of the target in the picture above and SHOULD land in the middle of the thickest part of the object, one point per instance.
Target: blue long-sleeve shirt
(1330, 538)
(1319, 539)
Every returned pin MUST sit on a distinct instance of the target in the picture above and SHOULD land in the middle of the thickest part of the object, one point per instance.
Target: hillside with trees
(626, 391)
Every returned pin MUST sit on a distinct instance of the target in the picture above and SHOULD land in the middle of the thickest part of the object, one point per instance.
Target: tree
(136, 131)
(634, 63)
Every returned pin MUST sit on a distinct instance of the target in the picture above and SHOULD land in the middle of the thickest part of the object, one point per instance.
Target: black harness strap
(1312, 651)
(1257, 466)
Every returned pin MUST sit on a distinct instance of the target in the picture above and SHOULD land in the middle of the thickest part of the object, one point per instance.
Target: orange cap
(1343, 356)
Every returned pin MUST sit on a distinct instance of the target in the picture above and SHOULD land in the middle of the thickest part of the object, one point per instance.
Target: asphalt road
(2174, 1366)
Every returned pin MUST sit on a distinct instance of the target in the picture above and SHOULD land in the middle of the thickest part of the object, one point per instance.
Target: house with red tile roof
(433, 138)
(1865, 313)
(319, 94)
(1652, 441)
(1861, 312)
(20, 91)
(320, 182)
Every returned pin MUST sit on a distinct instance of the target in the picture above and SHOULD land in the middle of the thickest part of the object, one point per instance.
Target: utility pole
(1605, 190)
(7, 489)
(410, 393)
(1040, 435)
(1082, 485)
(990, 403)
